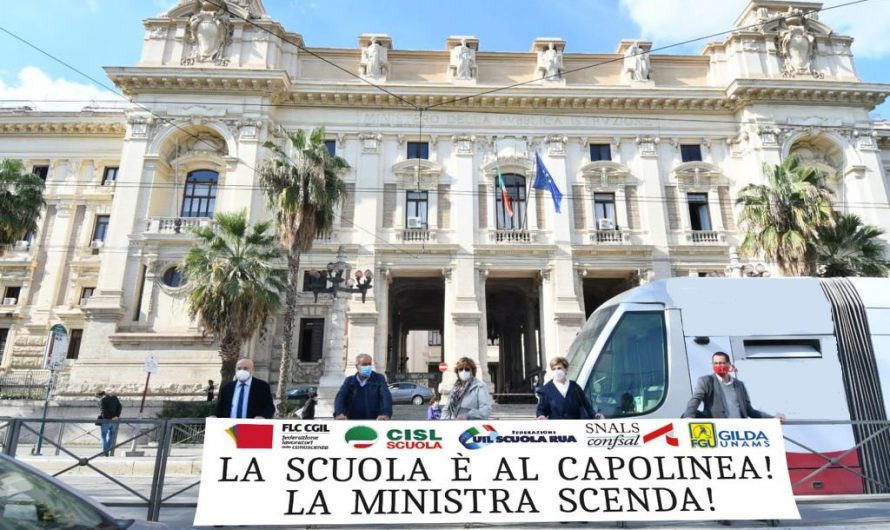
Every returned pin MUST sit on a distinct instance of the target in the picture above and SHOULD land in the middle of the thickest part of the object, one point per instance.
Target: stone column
(461, 333)
(381, 329)
(334, 359)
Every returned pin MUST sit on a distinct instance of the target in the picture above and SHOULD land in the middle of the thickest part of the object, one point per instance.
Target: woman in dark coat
(562, 399)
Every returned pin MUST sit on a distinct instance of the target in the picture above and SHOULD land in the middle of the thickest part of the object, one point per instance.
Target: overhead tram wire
(658, 49)
(556, 113)
(101, 84)
(514, 85)
(198, 138)
(316, 55)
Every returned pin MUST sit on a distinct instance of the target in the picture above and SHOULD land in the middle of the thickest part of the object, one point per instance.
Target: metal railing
(24, 385)
(871, 452)
(78, 443)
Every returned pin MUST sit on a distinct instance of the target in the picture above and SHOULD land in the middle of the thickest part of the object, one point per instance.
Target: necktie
(239, 412)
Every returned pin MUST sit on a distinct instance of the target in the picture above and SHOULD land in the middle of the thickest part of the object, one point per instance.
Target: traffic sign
(443, 367)
(151, 364)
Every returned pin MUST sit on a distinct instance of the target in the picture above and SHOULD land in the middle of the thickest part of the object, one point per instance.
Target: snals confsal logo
(361, 437)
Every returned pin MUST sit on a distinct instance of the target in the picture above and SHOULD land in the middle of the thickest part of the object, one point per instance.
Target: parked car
(410, 393)
(298, 395)
(29, 498)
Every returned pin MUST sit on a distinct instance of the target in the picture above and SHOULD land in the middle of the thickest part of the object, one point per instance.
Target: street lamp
(336, 278)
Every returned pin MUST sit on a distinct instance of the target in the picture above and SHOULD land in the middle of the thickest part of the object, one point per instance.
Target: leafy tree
(782, 218)
(302, 185)
(234, 282)
(851, 248)
(21, 201)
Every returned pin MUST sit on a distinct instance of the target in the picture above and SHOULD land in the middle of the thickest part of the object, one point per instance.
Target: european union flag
(544, 181)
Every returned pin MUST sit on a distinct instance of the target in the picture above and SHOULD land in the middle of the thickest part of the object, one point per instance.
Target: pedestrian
(110, 409)
(563, 399)
(435, 410)
(210, 389)
(365, 395)
(722, 395)
(245, 397)
(309, 407)
(469, 398)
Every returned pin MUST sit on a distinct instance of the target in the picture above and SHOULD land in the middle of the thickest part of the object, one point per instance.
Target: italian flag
(507, 206)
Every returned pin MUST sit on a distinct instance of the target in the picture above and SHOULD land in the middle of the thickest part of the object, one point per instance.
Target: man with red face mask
(722, 395)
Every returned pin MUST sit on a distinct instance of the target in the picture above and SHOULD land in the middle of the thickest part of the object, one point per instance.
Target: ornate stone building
(649, 152)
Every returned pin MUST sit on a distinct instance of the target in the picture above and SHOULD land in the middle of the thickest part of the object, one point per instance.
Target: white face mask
(559, 374)
(242, 375)
(465, 375)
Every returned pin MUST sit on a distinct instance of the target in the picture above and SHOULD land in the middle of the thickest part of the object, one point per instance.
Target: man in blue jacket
(365, 395)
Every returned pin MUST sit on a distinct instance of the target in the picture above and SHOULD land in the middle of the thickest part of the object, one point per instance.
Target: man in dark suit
(246, 396)
(722, 395)
(365, 395)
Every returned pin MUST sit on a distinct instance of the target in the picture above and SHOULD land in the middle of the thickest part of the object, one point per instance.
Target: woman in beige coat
(469, 398)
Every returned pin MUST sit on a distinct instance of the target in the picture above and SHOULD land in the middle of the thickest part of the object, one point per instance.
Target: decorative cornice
(132, 81)
(74, 127)
(743, 92)
(569, 99)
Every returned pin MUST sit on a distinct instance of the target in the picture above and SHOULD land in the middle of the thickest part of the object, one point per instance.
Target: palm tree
(21, 200)
(235, 282)
(851, 248)
(782, 218)
(302, 186)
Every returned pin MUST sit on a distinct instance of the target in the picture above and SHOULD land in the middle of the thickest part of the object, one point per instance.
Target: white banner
(264, 472)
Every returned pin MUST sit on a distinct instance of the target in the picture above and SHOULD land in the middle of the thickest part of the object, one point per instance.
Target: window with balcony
(419, 150)
(101, 228)
(416, 208)
(199, 198)
(690, 152)
(699, 215)
(11, 295)
(599, 152)
(74, 343)
(41, 171)
(515, 190)
(331, 145)
(109, 176)
(604, 211)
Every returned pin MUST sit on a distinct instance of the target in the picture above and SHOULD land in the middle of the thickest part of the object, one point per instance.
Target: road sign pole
(49, 391)
(144, 393)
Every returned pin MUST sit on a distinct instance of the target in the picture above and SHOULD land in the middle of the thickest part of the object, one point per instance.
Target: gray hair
(361, 356)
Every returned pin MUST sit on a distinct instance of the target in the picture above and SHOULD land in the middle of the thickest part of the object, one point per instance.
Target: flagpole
(528, 198)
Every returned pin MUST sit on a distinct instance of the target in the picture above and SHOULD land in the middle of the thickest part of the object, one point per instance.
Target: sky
(90, 34)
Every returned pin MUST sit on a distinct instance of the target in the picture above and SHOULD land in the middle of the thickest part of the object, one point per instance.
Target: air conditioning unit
(97, 244)
(83, 301)
(605, 224)
(10, 301)
(22, 245)
(415, 222)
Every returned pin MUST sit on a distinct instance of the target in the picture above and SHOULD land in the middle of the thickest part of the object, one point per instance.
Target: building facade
(649, 152)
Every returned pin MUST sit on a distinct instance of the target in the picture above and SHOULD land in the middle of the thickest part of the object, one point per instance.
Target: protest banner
(265, 472)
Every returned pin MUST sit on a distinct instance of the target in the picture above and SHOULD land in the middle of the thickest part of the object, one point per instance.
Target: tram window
(782, 348)
(583, 343)
(630, 375)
